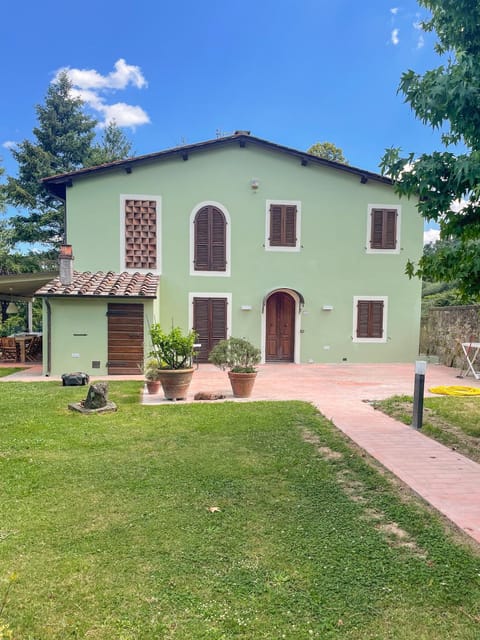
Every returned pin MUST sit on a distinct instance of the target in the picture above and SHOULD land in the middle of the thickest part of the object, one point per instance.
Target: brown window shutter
(390, 226)
(383, 229)
(275, 225)
(200, 324)
(219, 320)
(283, 225)
(210, 323)
(376, 237)
(362, 319)
(201, 240)
(290, 226)
(218, 233)
(370, 319)
(210, 240)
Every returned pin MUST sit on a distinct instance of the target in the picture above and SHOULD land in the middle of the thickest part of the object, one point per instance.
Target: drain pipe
(49, 338)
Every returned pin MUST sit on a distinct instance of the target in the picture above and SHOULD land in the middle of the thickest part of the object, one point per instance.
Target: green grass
(453, 421)
(105, 521)
(7, 371)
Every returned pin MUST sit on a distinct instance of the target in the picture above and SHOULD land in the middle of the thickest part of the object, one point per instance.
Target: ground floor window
(369, 319)
(210, 323)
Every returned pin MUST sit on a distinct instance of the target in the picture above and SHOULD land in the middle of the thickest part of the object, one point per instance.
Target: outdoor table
(22, 342)
(471, 350)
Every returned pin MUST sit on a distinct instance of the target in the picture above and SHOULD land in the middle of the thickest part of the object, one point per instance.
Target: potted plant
(151, 371)
(174, 353)
(240, 357)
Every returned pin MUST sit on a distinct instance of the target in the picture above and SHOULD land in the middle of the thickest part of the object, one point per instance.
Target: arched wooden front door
(280, 328)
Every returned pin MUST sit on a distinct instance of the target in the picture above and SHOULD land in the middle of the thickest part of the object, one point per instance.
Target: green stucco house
(235, 236)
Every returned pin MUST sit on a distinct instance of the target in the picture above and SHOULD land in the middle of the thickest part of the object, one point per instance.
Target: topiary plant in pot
(240, 357)
(174, 352)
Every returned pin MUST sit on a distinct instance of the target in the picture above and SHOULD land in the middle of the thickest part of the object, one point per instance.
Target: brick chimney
(66, 264)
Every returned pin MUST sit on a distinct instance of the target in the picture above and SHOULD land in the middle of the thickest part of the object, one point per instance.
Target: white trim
(398, 209)
(298, 317)
(209, 294)
(383, 299)
(224, 210)
(298, 229)
(136, 196)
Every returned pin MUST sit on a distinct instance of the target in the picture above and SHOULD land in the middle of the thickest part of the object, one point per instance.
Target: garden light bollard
(418, 391)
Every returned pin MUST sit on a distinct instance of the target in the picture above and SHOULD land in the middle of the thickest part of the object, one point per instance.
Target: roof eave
(80, 296)
(58, 184)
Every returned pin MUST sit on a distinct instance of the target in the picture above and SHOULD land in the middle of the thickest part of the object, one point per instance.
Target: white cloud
(394, 37)
(420, 42)
(125, 115)
(91, 86)
(431, 235)
(9, 144)
(123, 75)
(394, 10)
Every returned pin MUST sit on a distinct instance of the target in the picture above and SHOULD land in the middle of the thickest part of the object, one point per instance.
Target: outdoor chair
(33, 348)
(8, 349)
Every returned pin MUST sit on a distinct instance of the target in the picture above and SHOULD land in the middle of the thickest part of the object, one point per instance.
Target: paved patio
(444, 478)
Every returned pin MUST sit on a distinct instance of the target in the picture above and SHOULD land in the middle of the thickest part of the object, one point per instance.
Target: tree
(63, 142)
(446, 183)
(2, 193)
(453, 261)
(114, 146)
(328, 151)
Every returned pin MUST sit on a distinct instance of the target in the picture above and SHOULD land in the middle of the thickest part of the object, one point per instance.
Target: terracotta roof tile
(101, 284)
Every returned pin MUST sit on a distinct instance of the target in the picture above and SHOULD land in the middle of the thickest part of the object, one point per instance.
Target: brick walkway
(444, 478)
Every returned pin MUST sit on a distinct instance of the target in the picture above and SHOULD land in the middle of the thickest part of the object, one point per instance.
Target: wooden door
(125, 339)
(280, 319)
(210, 323)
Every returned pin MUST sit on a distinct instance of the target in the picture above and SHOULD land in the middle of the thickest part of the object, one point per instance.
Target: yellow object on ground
(455, 390)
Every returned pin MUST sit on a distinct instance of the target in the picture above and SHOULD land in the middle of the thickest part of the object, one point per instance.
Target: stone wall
(444, 328)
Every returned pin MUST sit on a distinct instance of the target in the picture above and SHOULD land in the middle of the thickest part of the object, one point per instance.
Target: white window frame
(158, 200)
(398, 209)
(224, 210)
(383, 299)
(298, 226)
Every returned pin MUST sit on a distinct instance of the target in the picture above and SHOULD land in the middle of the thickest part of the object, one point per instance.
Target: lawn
(7, 371)
(453, 421)
(213, 521)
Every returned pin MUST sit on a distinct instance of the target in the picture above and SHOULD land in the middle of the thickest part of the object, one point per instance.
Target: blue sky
(293, 72)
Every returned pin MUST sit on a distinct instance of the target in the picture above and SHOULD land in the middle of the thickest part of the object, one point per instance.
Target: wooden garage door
(210, 323)
(125, 338)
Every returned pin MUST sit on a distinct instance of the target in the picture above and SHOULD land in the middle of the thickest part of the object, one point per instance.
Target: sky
(294, 72)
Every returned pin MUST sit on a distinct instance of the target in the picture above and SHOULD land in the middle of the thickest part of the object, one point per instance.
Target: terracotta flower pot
(175, 382)
(242, 383)
(153, 386)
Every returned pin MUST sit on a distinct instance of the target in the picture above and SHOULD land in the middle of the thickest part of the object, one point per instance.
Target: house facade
(236, 236)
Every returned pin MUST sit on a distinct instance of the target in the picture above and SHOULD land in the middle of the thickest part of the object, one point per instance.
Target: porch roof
(86, 284)
(22, 286)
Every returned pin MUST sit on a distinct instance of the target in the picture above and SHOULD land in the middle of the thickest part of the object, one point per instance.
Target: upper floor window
(383, 229)
(282, 225)
(210, 240)
(140, 235)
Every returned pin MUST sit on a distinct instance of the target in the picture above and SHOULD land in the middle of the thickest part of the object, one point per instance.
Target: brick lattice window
(140, 234)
